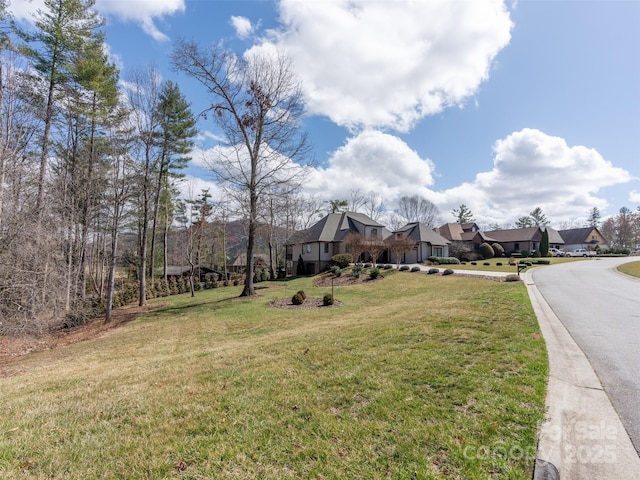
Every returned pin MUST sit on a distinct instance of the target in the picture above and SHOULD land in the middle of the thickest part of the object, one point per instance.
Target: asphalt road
(600, 308)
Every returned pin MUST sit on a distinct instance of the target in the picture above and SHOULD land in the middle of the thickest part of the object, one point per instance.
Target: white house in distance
(326, 238)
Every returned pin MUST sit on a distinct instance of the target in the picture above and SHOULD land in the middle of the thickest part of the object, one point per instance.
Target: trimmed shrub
(415, 269)
(336, 270)
(486, 251)
(542, 261)
(404, 268)
(486, 264)
(433, 271)
(327, 299)
(342, 260)
(444, 260)
(388, 266)
(524, 253)
(497, 249)
(297, 299)
(356, 270)
(367, 265)
(236, 282)
(498, 264)
(302, 294)
(447, 271)
(512, 277)
(300, 269)
(374, 272)
(474, 263)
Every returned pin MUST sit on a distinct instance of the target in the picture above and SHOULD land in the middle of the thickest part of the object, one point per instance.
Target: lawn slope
(414, 376)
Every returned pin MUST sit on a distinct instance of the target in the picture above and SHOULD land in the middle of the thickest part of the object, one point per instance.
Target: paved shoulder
(583, 436)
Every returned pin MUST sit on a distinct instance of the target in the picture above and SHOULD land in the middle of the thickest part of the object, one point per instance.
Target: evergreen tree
(175, 131)
(538, 218)
(61, 30)
(544, 243)
(463, 214)
(593, 217)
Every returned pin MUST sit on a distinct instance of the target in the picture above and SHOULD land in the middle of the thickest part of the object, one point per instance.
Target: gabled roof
(575, 236)
(335, 226)
(527, 234)
(451, 231)
(421, 233)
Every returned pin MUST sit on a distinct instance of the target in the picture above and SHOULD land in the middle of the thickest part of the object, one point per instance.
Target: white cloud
(373, 64)
(634, 197)
(242, 26)
(372, 161)
(533, 169)
(142, 12)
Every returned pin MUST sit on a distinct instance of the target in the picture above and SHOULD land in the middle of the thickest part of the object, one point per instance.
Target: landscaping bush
(327, 299)
(356, 270)
(524, 253)
(512, 277)
(297, 299)
(367, 265)
(342, 260)
(374, 272)
(447, 271)
(444, 260)
(336, 270)
(498, 249)
(498, 264)
(542, 261)
(300, 270)
(302, 294)
(433, 271)
(388, 266)
(486, 251)
(415, 269)
(474, 263)
(486, 264)
(404, 268)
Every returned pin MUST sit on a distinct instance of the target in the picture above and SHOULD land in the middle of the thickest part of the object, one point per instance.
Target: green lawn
(415, 376)
(632, 268)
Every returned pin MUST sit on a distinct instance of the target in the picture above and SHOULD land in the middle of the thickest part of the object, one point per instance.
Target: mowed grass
(415, 376)
(632, 268)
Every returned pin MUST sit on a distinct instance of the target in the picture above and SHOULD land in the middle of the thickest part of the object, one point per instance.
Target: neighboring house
(239, 264)
(429, 243)
(468, 235)
(326, 238)
(528, 239)
(587, 238)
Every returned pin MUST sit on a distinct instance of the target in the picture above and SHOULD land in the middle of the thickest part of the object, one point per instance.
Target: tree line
(87, 160)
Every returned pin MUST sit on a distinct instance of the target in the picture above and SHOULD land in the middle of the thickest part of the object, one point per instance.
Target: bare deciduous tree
(415, 208)
(258, 104)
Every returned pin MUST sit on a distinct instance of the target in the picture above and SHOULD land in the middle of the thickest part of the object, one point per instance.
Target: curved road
(600, 308)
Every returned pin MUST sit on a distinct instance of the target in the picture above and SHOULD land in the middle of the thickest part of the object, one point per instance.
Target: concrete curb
(582, 436)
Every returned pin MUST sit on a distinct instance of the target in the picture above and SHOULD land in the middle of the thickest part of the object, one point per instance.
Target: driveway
(600, 308)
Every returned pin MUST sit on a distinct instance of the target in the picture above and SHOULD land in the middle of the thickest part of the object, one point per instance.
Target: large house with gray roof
(328, 237)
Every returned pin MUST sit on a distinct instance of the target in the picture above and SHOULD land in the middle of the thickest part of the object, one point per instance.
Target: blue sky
(501, 106)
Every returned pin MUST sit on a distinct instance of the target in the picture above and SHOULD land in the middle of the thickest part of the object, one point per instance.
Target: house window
(374, 233)
(326, 247)
(308, 247)
(437, 251)
(399, 236)
(516, 246)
